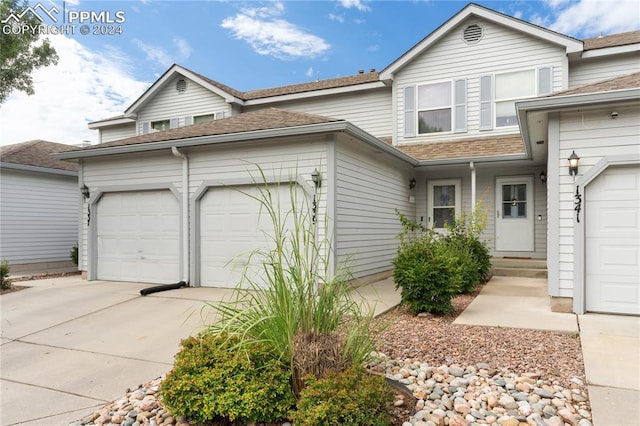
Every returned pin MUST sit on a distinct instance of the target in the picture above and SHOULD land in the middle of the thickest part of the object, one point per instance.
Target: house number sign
(578, 203)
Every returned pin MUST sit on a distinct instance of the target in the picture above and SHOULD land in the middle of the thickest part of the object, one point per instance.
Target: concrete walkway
(68, 345)
(610, 343)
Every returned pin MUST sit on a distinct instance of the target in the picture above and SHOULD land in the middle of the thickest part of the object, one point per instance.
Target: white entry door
(514, 214)
(612, 241)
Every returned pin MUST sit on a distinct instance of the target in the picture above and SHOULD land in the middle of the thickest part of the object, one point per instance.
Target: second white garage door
(612, 230)
(232, 226)
(138, 237)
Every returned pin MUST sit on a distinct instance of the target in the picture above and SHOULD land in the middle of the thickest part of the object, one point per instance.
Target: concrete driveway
(68, 345)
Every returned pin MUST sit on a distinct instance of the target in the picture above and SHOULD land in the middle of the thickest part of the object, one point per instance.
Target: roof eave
(467, 160)
(37, 169)
(106, 123)
(317, 93)
(608, 51)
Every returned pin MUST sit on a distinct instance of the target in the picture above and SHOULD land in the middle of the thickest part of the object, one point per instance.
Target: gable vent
(181, 85)
(472, 34)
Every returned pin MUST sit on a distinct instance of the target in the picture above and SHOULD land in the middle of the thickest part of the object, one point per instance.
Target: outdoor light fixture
(315, 177)
(84, 190)
(543, 177)
(412, 183)
(573, 164)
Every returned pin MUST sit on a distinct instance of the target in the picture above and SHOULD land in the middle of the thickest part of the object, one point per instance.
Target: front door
(514, 213)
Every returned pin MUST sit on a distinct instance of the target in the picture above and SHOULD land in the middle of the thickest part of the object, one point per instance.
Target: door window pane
(514, 201)
(443, 216)
(444, 205)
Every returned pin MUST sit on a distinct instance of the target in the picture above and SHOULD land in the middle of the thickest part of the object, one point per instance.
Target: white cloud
(85, 86)
(184, 49)
(337, 18)
(357, 4)
(309, 72)
(589, 18)
(269, 35)
(154, 53)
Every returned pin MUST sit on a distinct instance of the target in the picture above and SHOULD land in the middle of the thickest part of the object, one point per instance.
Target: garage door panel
(612, 241)
(138, 237)
(233, 225)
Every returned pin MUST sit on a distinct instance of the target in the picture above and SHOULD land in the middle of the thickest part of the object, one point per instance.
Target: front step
(516, 267)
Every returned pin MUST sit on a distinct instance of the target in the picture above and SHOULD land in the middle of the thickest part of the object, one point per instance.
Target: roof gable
(473, 10)
(37, 153)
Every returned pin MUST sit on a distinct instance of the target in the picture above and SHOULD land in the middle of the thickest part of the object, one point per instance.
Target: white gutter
(185, 213)
(473, 185)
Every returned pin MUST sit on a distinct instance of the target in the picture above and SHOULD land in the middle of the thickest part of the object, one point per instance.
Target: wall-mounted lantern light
(84, 190)
(412, 183)
(315, 177)
(543, 176)
(573, 164)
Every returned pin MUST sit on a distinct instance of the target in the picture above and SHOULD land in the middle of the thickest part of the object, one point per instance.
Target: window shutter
(486, 102)
(188, 121)
(409, 111)
(146, 127)
(545, 76)
(218, 115)
(460, 99)
(173, 123)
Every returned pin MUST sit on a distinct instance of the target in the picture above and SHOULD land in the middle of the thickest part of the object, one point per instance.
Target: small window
(160, 125)
(203, 118)
(514, 201)
(472, 34)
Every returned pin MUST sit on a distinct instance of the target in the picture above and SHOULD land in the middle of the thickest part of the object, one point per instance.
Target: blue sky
(247, 45)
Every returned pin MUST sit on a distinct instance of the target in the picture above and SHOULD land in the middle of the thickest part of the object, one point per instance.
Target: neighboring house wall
(39, 219)
(587, 71)
(501, 49)
(369, 110)
(369, 187)
(169, 103)
(593, 134)
(114, 133)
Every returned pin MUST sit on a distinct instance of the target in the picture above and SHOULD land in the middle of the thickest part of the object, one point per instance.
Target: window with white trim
(435, 108)
(160, 125)
(444, 202)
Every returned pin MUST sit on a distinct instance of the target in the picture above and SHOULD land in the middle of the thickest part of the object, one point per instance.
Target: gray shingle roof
(264, 119)
(614, 40)
(37, 153)
(630, 81)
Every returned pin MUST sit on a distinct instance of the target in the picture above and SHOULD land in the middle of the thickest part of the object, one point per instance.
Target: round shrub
(349, 398)
(211, 379)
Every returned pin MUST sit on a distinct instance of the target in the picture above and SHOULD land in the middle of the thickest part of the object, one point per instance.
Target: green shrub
(5, 281)
(350, 398)
(74, 254)
(213, 379)
(427, 272)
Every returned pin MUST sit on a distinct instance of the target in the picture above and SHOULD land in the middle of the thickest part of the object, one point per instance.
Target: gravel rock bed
(459, 376)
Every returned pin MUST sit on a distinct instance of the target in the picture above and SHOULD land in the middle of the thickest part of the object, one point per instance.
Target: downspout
(185, 213)
(473, 186)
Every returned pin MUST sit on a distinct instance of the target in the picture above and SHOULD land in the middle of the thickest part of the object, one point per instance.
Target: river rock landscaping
(458, 375)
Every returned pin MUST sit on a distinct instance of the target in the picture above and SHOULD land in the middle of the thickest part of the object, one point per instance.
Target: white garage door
(138, 237)
(232, 226)
(612, 226)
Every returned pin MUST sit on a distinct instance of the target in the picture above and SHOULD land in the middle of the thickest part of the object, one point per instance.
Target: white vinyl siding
(369, 188)
(593, 135)
(369, 110)
(169, 104)
(114, 133)
(38, 217)
(500, 50)
(591, 70)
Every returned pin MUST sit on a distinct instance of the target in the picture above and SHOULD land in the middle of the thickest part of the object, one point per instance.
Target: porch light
(543, 176)
(84, 190)
(412, 183)
(315, 177)
(573, 163)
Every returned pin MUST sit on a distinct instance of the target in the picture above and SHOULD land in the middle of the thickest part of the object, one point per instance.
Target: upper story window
(435, 108)
(160, 125)
(499, 93)
(208, 117)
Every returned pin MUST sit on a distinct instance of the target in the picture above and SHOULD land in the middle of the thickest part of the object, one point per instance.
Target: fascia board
(106, 123)
(36, 169)
(489, 159)
(316, 93)
(608, 51)
(379, 144)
